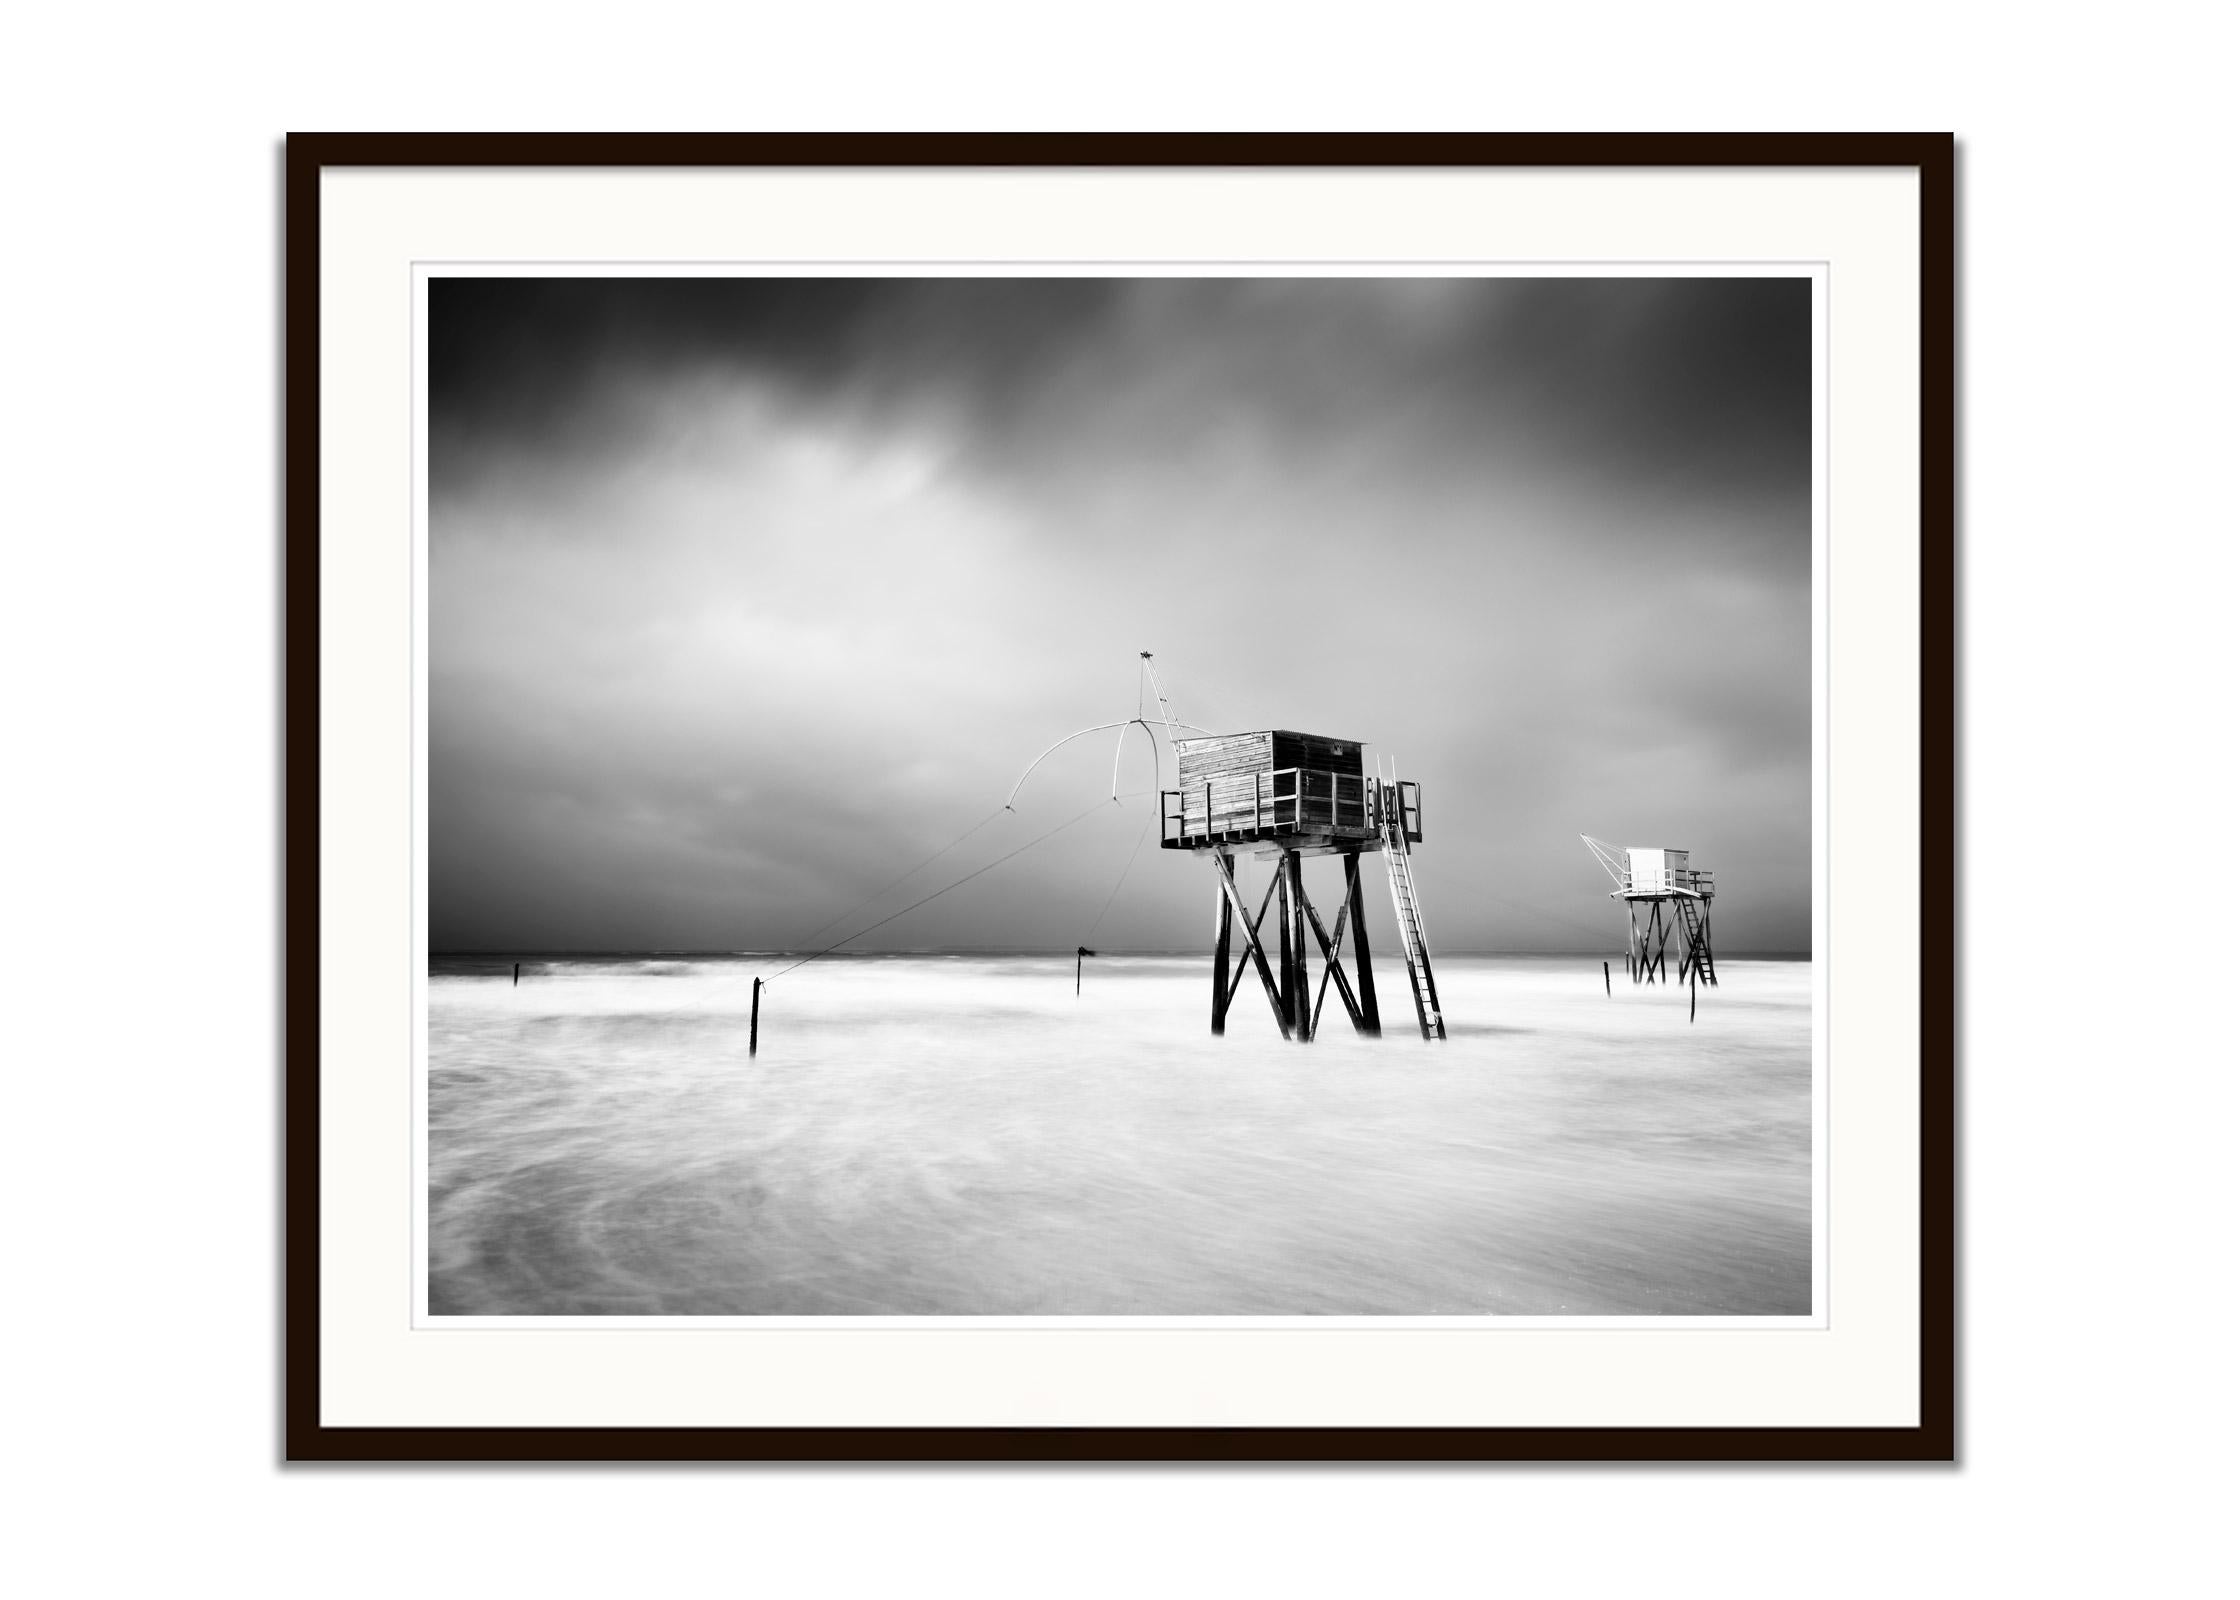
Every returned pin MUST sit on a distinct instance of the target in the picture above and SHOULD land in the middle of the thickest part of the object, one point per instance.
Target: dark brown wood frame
(308, 1439)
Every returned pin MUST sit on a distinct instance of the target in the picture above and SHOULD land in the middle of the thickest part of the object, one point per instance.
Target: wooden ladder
(1405, 906)
(1697, 922)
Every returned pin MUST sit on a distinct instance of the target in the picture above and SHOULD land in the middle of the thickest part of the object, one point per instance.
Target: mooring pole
(1221, 915)
(754, 1020)
(1606, 980)
(517, 974)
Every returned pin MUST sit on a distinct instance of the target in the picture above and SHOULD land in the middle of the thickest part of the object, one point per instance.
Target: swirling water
(964, 1136)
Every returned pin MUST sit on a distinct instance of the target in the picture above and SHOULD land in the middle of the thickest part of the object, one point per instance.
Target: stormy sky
(747, 594)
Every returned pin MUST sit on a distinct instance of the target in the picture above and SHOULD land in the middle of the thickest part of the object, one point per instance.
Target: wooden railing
(1256, 804)
(1696, 880)
(1406, 800)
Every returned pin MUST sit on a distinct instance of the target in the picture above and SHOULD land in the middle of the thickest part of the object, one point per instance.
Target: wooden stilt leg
(1364, 974)
(1301, 1002)
(1333, 964)
(1253, 949)
(1284, 957)
(1221, 917)
(1251, 933)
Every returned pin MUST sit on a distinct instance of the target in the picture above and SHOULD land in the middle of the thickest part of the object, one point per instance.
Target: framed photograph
(1120, 797)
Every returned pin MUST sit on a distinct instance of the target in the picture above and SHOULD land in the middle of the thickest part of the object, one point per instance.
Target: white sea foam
(933, 1136)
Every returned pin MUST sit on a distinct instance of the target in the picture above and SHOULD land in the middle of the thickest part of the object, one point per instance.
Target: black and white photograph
(923, 851)
(1161, 796)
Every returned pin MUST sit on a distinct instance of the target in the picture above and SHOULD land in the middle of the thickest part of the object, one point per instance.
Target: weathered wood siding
(1267, 752)
(1220, 756)
(1274, 780)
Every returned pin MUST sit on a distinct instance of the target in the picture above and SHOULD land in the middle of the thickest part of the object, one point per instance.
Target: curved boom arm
(1047, 754)
(1102, 727)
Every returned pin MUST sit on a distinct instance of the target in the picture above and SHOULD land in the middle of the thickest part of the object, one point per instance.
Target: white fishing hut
(1665, 898)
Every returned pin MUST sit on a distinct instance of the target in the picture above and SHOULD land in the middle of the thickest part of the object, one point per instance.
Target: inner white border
(423, 271)
(1857, 1366)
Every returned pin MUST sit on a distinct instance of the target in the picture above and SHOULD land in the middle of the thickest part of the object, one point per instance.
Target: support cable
(881, 892)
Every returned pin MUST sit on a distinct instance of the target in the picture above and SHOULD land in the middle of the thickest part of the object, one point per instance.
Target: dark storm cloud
(532, 361)
(1703, 378)
(746, 592)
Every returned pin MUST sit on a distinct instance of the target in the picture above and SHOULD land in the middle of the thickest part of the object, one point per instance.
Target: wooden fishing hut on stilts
(1664, 897)
(1283, 797)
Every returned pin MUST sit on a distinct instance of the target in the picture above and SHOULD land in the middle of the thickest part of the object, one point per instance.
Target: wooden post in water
(517, 974)
(1221, 915)
(754, 1020)
(1606, 980)
(1364, 972)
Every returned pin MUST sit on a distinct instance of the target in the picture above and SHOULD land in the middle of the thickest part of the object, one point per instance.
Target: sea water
(926, 1135)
